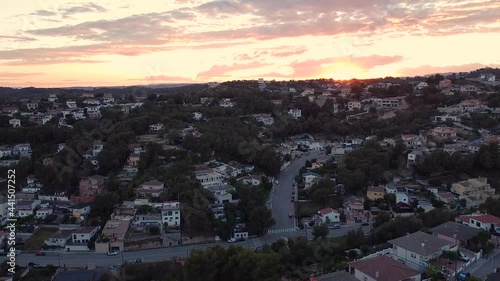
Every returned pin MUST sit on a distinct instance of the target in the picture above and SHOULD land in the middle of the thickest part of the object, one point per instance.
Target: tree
(381, 218)
(260, 218)
(320, 231)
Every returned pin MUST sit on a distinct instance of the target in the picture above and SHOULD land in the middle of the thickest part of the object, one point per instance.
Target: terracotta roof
(386, 268)
(378, 188)
(484, 218)
(446, 195)
(326, 211)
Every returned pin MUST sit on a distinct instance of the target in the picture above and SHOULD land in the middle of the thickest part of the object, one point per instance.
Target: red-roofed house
(478, 220)
(329, 215)
(382, 268)
(446, 197)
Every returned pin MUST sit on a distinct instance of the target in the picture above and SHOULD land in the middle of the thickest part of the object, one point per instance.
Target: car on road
(113, 253)
(40, 253)
(293, 192)
(113, 267)
(33, 264)
(365, 224)
(292, 199)
(294, 182)
(276, 182)
(463, 257)
(233, 240)
(335, 226)
(290, 215)
(132, 261)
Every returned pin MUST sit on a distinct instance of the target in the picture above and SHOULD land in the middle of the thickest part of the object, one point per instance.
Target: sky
(55, 43)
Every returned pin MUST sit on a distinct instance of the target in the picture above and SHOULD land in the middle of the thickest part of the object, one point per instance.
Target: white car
(231, 240)
(276, 182)
(114, 253)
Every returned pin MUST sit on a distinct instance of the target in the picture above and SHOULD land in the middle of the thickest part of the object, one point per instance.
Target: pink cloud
(223, 70)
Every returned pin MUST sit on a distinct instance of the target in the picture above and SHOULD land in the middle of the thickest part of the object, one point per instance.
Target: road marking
(282, 230)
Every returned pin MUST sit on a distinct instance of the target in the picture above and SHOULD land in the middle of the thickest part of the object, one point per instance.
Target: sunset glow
(48, 43)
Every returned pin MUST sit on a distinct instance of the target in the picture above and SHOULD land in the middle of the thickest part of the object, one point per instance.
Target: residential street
(280, 198)
(486, 265)
(92, 259)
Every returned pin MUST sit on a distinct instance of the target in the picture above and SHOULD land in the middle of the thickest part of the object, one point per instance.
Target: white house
(482, 221)
(43, 213)
(226, 103)
(295, 113)
(197, 116)
(32, 105)
(171, 213)
(402, 197)
(59, 238)
(15, 123)
(209, 178)
(156, 127)
(310, 177)
(329, 215)
(222, 193)
(83, 234)
(353, 105)
(417, 249)
(52, 98)
(251, 180)
(71, 104)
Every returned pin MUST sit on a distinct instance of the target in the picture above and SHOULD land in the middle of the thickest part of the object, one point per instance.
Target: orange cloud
(427, 69)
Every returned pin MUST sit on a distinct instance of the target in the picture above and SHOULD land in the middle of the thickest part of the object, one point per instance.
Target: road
(486, 265)
(280, 198)
(92, 259)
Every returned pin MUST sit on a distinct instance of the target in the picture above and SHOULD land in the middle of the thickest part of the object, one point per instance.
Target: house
(390, 103)
(471, 105)
(171, 213)
(92, 185)
(80, 209)
(443, 132)
(150, 189)
(353, 105)
(124, 212)
(446, 197)
(59, 238)
(253, 180)
(222, 193)
(402, 197)
(208, 178)
(108, 98)
(43, 213)
(52, 98)
(226, 103)
(487, 77)
(468, 89)
(446, 118)
(22, 150)
(444, 83)
(240, 231)
(382, 268)
(15, 123)
(71, 104)
(116, 231)
(413, 156)
(295, 113)
(376, 192)
(309, 177)
(455, 232)
(32, 105)
(475, 191)
(5, 151)
(156, 127)
(266, 119)
(79, 275)
(481, 221)
(92, 102)
(83, 234)
(411, 140)
(417, 249)
(26, 208)
(421, 85)
(329, 215)
(354, 203)
(197, 116)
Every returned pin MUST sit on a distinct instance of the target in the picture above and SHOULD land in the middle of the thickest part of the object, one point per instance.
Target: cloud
(18, 74)
(314, 68)
(18, 38)
(428, 69)
(72, 10)
(224, 70)
(165, 78)
(51, 61)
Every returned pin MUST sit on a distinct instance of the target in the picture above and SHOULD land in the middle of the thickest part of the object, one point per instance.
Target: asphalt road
(280, 198)
(486, 265)
(92, 259)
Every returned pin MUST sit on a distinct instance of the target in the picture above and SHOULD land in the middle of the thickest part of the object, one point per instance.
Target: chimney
(377, 274)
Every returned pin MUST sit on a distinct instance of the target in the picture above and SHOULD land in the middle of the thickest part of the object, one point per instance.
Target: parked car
(114, 253)
(290, 215)
(335, 226)
(293, 192)
(277, 182)
(40, 253)
(463, 257)
(292, 200)
(231, 240)
(33, 264)
(365, 224)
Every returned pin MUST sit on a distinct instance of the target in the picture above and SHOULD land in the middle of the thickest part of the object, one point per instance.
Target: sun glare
(344, 72)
